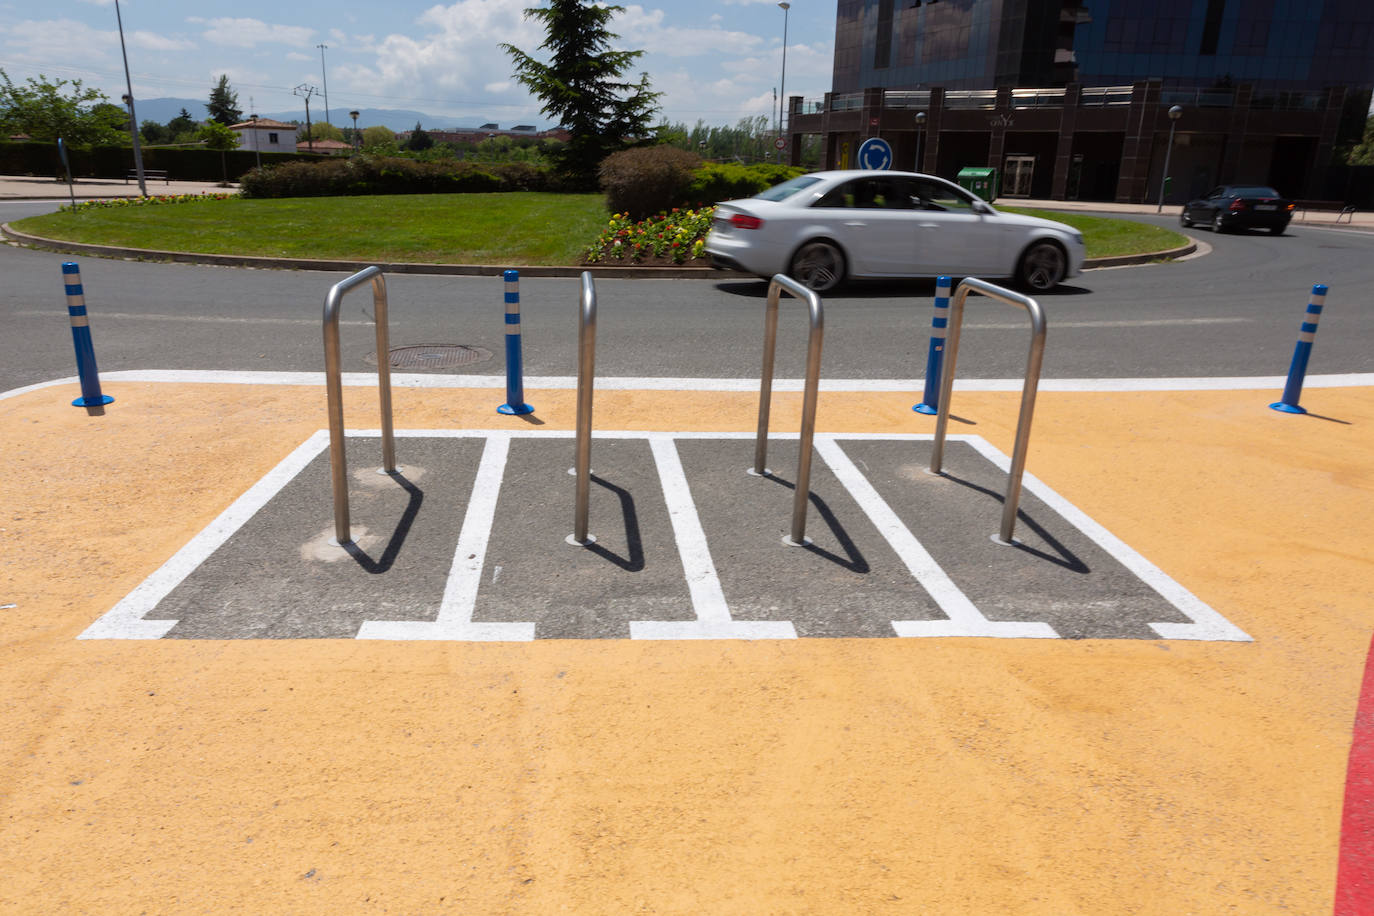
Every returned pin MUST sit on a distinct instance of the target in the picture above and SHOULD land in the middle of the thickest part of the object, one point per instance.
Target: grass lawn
(1106, 237)
(500, 229)
(515, 229)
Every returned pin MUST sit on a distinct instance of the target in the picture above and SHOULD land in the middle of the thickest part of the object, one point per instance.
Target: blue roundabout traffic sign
(875, 153)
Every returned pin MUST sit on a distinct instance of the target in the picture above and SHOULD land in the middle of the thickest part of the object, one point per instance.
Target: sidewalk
(30, 187)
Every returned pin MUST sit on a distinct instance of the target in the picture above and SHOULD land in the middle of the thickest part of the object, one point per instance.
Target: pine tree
(582, 85)
(224, 103)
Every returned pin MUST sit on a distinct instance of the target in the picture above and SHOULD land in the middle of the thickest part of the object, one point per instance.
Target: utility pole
(324, 76)
(306, 92)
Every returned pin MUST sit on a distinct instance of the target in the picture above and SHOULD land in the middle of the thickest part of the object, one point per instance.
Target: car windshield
(787, 188)
(1255, 191)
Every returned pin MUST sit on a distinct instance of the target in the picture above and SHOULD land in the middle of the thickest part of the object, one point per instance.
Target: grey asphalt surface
(1233, 312)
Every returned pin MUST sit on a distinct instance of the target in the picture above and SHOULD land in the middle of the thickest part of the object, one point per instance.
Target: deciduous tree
(47, 110)
(582, 84)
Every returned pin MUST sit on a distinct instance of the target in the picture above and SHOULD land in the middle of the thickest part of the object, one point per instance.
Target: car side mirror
(981, 207)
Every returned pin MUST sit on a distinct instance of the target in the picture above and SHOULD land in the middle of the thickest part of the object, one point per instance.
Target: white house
(265, 135)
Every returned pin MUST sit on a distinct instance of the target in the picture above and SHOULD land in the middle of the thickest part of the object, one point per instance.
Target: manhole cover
(433, 356)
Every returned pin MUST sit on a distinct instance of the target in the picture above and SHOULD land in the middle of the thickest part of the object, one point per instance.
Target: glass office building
(1070, 98)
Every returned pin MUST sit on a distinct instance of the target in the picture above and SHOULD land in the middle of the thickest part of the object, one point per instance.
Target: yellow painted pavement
(810, 776)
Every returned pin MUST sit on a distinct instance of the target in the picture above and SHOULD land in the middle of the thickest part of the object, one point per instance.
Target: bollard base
(1287, 408)
(93, 402)
(926, 409)
(516, 411)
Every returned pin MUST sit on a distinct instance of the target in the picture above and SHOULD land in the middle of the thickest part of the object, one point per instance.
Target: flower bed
(675, 237)
(145, 201)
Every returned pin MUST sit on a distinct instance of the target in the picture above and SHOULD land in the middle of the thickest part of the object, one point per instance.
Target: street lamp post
(324, 76)
(133, 118)
(1174, 114)
(257, 151)
(920, 135)
(782, 91)
(354, 116)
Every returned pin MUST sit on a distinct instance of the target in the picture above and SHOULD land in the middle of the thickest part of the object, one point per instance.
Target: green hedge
(32, 158)
(718, 181)
(366, 174)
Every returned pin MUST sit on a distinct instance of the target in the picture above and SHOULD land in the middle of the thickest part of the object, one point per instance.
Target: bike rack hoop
(1034, 359)
(779, 284)
(338, 466)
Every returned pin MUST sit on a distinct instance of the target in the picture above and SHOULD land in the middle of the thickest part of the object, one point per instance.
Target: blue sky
(714, 60)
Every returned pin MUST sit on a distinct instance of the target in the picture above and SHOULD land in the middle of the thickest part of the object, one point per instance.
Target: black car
(1239, 207)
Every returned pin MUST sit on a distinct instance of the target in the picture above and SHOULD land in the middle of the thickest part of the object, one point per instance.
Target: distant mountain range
(397, 119)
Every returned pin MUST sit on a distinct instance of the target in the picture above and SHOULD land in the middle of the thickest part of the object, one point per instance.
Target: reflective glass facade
(980, 44)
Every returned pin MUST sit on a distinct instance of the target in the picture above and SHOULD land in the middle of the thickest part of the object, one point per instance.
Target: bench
(148, 173)
(1301, 207)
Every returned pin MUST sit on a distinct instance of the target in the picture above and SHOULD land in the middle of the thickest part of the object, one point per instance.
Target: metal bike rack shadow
(802, 494)
(338, 466)
(586, 375)
(1028, 390)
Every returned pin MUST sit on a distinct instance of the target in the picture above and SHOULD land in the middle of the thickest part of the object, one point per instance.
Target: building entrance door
(1017, 182)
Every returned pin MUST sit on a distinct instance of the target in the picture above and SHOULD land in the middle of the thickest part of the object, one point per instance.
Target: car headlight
(1077, 238)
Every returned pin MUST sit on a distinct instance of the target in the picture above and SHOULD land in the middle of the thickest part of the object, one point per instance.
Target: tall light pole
(133, 118)
(1174, 114)
(782, 104)
(354, 116)
(325, 79)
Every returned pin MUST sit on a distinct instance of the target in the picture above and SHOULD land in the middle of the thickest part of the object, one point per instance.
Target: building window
(272, 138)
(882, 53)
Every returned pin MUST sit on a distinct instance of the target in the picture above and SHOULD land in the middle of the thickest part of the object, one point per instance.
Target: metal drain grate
(433, 356)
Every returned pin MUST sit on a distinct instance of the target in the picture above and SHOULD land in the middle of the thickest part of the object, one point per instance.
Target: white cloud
(55, 39)
(249, 33)
(151, 41)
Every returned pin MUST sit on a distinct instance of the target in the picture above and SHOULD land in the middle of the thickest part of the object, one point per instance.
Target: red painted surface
(1355, 875)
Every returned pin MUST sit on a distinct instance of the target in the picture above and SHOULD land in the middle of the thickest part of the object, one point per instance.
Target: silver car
(825, 227)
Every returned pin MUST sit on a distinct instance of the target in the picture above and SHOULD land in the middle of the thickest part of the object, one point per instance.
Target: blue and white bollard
(81, 338)
(515, 369)
(930, 403)
(1306, 336)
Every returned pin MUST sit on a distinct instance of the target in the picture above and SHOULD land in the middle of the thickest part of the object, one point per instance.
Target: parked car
(825, 227)
(1239, 207)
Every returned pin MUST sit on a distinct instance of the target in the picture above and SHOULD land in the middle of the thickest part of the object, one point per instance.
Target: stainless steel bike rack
(338, 466)
(813, 376)
(1032, 383)
(586, 374)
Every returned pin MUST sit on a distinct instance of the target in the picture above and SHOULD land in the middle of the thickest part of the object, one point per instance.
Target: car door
(1210, 205)
(952, 237)
(872, 218)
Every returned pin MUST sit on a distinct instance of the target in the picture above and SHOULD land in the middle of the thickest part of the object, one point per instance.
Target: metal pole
(324, 78)
(586, 374)
(1034, 361)
(802, 495)
(133, 118)
(1307, 336)
(782, 90)
(333, 380)
(1174, 114)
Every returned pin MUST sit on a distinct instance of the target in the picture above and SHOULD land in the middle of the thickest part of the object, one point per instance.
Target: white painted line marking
(964, 618)
(125, 619)
(569, 383)
(708, 599)
(1206, 624)
(465, 575)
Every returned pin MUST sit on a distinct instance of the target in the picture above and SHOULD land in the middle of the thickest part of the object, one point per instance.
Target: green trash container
(981, 181)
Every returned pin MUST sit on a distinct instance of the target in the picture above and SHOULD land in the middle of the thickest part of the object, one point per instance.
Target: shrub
(678, 235)
(368, 174)
(718, 181)
(647, 179)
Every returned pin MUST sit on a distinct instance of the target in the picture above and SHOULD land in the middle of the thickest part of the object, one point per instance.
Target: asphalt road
(1233, 312)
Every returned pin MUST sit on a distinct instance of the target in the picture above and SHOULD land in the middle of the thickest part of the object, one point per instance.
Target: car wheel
(1217, 226)
(818, 265)
(1184, 221)
(1042, 266)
